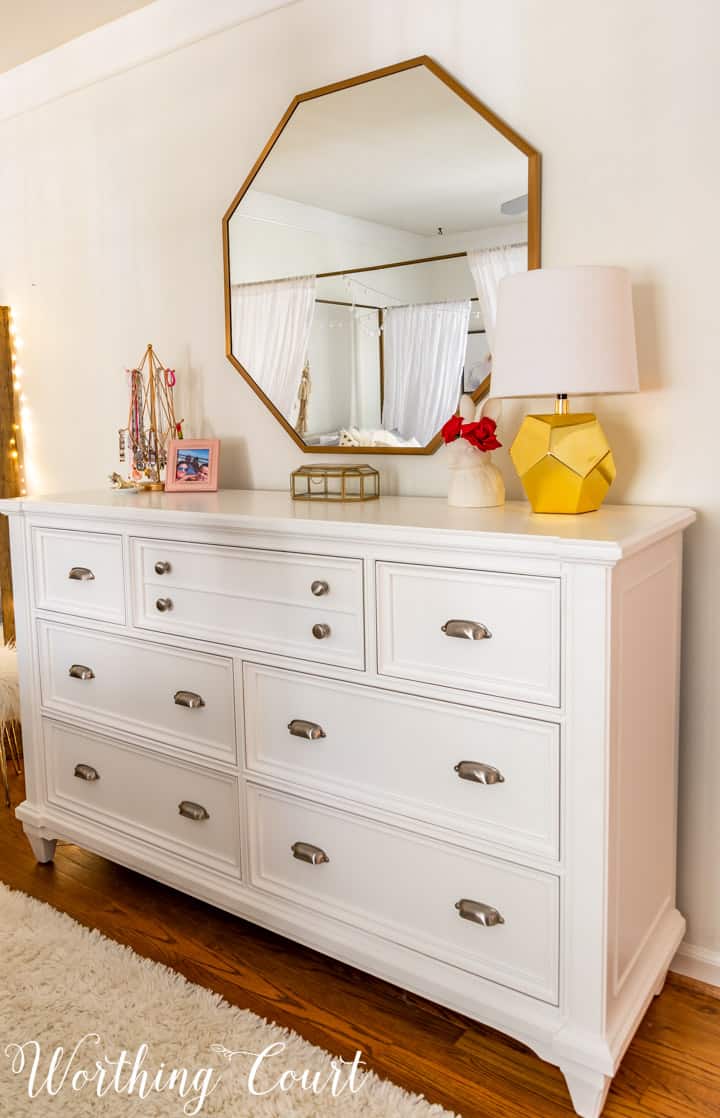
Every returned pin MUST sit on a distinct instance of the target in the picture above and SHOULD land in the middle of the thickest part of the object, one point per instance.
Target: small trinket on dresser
(335, 483)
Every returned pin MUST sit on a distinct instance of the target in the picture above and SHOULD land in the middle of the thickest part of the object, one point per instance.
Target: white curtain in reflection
(271, 325)
(365, 369)
(424, 353)
(488, 266)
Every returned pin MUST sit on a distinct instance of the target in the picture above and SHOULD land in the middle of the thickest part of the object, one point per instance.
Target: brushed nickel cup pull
(299, 728)
(306, 852)
(196, 812)
(321, 631)
(86, 772)
(81, 574)
(479, 772)
(80, 671)
(163, 604)
(479, 913)
(189, 699)
(319, 587)
(162, 567)
(467, 630)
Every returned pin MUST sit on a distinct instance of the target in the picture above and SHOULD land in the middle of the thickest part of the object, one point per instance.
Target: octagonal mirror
(363, 254)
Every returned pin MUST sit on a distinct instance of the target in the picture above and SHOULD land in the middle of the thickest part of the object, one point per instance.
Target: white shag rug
(9, 683)
(65, 987)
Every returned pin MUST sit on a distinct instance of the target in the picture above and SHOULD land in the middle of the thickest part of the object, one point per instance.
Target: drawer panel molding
(79, 573)
(494, 777)
(305, 606)
(169, 803)
(498, 634)
(471, 911)
(183, 699)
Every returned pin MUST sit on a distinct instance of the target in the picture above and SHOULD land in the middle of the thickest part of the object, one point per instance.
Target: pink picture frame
(192, 466)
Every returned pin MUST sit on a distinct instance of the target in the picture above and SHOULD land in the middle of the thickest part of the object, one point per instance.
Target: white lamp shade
(564, 330)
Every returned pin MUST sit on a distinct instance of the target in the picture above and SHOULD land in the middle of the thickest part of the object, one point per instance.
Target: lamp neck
(561, 404)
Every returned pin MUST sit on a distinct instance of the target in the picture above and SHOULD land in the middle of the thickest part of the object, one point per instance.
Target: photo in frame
(192, 466)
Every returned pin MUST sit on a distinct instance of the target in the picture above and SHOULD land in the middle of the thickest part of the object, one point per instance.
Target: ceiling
(404, 151)
(32, 27)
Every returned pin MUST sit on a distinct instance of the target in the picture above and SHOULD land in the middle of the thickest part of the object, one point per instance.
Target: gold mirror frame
(533, 157)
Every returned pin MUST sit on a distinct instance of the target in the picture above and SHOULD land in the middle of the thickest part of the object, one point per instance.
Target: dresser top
(612, 533)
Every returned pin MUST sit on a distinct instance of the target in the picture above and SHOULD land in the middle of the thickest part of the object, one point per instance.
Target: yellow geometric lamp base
(564, 462)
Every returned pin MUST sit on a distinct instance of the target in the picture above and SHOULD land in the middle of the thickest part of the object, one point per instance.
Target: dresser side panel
(643, 773)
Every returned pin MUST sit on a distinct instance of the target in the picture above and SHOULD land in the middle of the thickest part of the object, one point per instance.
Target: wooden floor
(672, 1069)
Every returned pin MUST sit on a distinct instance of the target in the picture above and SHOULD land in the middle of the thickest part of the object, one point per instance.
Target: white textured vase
(475, 481)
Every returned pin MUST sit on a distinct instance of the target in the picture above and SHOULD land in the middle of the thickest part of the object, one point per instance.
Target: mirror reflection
(364, 255)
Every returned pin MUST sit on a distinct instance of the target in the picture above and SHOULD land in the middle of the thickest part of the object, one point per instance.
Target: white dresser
(438, 744)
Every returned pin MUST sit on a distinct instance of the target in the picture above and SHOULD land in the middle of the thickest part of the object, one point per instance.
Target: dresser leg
(661, 985)
(42, 848)
(588, 1089)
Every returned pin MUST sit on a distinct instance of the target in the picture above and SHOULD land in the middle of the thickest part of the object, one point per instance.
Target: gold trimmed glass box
(335, 483)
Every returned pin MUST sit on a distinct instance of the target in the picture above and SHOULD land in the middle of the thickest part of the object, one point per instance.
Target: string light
(389, 301)
(19, 442)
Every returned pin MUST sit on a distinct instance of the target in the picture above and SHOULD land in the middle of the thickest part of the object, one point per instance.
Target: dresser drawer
(308, 606)
(406, 888)
(476, 631)
(79, 573)
(142, 688)
(166, 802)
(402, 754)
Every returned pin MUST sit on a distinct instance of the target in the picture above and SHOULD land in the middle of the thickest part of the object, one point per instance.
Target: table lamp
(564, 332)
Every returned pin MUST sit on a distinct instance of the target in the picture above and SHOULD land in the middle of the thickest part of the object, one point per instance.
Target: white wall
(330, 356)
(271, 237)
(31, 29)
(110, 238)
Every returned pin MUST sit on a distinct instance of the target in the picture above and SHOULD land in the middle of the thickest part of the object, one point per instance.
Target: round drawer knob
(162, 567)
(163, 604)
(319, 587)
(321, 631)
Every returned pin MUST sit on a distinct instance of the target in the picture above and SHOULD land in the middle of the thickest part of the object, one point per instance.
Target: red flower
(452, 429)
(481, 434)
